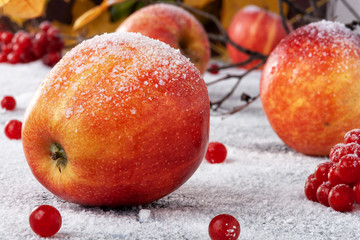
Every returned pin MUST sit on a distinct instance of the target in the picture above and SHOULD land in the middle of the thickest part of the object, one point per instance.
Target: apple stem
(57, 153)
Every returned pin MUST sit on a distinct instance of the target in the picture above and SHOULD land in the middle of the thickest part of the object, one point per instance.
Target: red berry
(333, 175)
(13, 129)
(322, 170)
(53, 33)
(311, 186)
(356, 190)
(50, 59)
(224, 227)
(3, 57)
(45, 220)
(341, 198)
(322, 193)
(6, 48)
(8, 103)
(25, 40)
(216, 152)
(214, 68)
(334, 152)
(6, 37)
(44, 26)
(352, 136)
(349, 168)
(350, 148)
(13, 58)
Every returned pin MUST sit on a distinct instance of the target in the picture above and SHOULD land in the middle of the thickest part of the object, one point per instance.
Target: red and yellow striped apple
(122, 119)
(310, 87)
(255, 29)
(174, 26)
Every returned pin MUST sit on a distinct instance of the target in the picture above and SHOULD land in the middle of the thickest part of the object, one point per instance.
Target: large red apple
(255, 29)
(310, 87)
(174, 26)
(122, 119)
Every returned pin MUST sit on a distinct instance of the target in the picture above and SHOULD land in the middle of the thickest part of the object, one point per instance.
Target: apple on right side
(310, 87)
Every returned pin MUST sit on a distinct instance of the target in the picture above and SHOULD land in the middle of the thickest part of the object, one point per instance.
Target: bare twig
(351, 9)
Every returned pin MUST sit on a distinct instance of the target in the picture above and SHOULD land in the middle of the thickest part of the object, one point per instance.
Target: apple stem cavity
(57, 153)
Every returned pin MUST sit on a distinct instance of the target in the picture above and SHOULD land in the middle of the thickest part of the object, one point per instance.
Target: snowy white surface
(261, 183)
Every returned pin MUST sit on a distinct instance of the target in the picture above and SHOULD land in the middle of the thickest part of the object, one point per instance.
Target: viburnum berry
(311, 186)
(44, 26)
(356, 190)
(13, 58)
(322, 170)
(224, 227)
(352, 136)
(341, 198)
(350, 148)
(349, 168)
(13, 129)
(8, 103)
(45, 220)
(335, 151)
(6, 37)
(216, 152)
(322, 193)
(333, 175)
(50, 59)
(214, 68)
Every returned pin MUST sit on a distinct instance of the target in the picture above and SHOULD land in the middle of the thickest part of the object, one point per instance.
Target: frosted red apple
(310, 87)
(255, 29)
(174, 26)
(121, 120)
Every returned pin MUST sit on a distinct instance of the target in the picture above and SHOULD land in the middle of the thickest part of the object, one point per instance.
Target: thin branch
(351, 9)
(283, 18)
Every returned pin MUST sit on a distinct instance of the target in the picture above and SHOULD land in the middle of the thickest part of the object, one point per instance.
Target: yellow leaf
(230, 7)
(197, 3)
(93, 13)
(3, 2)
(24, 9)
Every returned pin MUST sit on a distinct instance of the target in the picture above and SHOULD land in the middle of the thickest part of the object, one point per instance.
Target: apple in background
(174, 26)
(310, 87)
(255, 29)
(122, 119)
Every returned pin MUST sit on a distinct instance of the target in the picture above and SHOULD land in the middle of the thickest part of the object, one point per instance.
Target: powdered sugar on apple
(132, 71)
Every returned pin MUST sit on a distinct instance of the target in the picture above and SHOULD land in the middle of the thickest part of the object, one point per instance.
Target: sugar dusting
(261, 184)
(125, 62)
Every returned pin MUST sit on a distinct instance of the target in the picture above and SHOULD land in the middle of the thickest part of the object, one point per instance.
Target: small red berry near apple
(349, 168)
(13, 129)
(8, 103)
(333, 175)
(352, 136)
(45, 220)
(322, 171)
(356, 190)
(311, 186)
(214, 68)
(224, 227)
(216, 152)
(310, 85)
(341, 198)
(322, 193)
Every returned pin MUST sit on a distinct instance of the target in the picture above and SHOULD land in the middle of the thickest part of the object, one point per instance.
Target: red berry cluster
(24, 47)
(336, 183)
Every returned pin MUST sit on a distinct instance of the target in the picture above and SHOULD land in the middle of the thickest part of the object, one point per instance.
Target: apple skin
(255, 29)
(310, 87)
(131, 114)
(174, 26)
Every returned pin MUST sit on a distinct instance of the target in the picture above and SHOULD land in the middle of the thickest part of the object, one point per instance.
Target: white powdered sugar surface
(261, 183)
